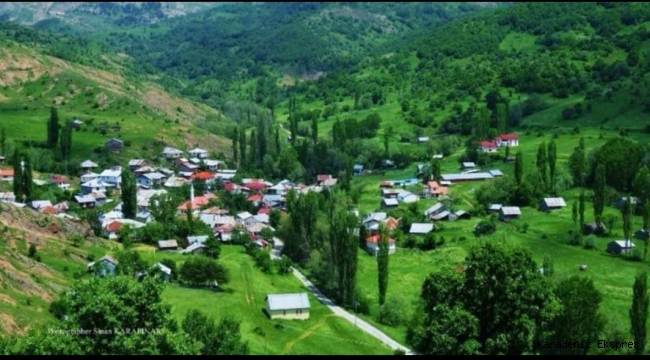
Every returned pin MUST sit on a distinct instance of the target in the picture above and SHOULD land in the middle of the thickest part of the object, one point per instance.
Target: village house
(357, 169)
(389, 203)
(548, 204)
(60, 181)
(423, 139)
(111, 229)
(642, 234)
(85, 201)
(255, 184)
(89, 176)
(287, 306)
(487, 147)
(135, 164)
(621, 247)
(389, 193)
(329, 183)
(407, 197)
(144, 170)
(495, 173)
(420, 228)
(494, 208)
(198, 153)
(225, 174)
(206, 176)
(103, 267)
(372, 245)
(510, 140)
(112, 176)
(39, 204)
(195, 248)
(100, 197)
(175, 182)
(172, 153)
(255, 199)
(187, 169)
(466, 177)
(7, 174)
(213, 165)
(88, 165)
(95, 185)
(151, 179)
(507, 213)
(434, 209)
(114, 144)
(620, 202)
(164, 271)
(433, 189)
(468, 165)
(372, 220)
(445, 214)
(165, 245)
(190, 240)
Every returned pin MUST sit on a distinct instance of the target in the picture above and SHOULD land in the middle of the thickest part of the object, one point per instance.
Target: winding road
(337, 310)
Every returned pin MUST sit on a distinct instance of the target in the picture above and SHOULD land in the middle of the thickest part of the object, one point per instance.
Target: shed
(468, 165)
(495, 207)
(421, 228)
(357, 169)
(389, 203)
(548, 204)
(620, 247)
(642, 234)
(103, 267)
(434, 209)
(509, 212)
(495, 173)
(167, 245)
(441, 215)
(114, 144)
(287, 306)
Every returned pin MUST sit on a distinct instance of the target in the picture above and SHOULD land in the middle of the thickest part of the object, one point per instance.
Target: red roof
(385, 183)
(6, 172)
(264, 210)
(375, 239)
(433, 185)
(488, 144)
(114, 226)
(255, 185)
(224, 229)
(59, 179)
(508, 137)
(203, 175)
(254, 198)
(229, 186)
(391, 223)
(320, 178)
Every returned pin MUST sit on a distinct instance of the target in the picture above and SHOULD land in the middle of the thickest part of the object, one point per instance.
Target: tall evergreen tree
(502, 117)
(388, 132)
(599, 193)
(519, 167)
(53, 128)
(639, 312)
(542, 163)
(243, 159)
(18, 175)
(435, 169)
(582, 206)
(314, 129)
(252, 148)
(278, 148)
(578, 166)
(382, 264)
(66, 142)
(235, 139)
(575, 213)
(27, 178)
(627, 213)
(129, 195)
(552, 160)
(3, 142)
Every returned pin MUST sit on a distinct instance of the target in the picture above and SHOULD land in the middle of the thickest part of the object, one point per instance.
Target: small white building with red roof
(372, 245)
(488, 146)
(507, 140)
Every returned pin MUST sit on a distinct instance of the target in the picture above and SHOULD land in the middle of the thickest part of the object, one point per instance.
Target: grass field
(243, 298)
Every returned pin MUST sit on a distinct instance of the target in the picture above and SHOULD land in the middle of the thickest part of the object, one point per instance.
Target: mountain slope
(96, 15)
(147, 116)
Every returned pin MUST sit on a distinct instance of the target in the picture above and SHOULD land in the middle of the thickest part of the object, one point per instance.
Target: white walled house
(172, 153)
(373, 247)
(198, 153)
(112, 176)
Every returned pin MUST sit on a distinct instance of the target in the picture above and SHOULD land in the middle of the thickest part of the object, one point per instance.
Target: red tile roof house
(436, 190)
(373, 247)
(488, 146)
(507, 140)
(7, 174)
(110, 231)
(60, 181)
(203, 176)
(255, 185)
(322, 178)
(255, 199)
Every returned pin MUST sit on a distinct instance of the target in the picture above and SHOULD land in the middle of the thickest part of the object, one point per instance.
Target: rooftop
(288, 301)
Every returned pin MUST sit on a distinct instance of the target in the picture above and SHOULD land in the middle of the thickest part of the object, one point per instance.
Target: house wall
(373, 249)
(288, 314)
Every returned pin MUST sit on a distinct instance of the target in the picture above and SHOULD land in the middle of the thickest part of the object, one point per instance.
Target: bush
(32, 251)
(284, 265)
(590, 242)
(575, 238)
(484, 228)
(393, 312)
(363, 304)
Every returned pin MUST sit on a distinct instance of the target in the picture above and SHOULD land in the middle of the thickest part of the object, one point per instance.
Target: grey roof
(376, 216)
(510, 210)
(244, 215)
(390, 202)
(41, 204)
(495, 172)
(421, 228)
(197, 239)
(104, 258)
(163, 268)
(88, 164)
(460, 213)
(554, 202)
(469, 176)
(495, 207)
(440, 215)
(433, 209)
(288, 301)
(358, 167)
(167, 244)
(625, 243)
(469, 164)
(171, 150)
(85, 199)
(192, 248)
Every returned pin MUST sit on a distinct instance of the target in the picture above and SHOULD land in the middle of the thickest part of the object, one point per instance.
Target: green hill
(109, 101)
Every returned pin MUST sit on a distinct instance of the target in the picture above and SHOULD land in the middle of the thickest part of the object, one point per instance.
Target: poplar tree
(552, 160)
(639, 312)
(53, 128)
(382, 264)
(519, 167)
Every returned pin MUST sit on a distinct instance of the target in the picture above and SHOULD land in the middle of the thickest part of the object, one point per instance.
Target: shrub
(32, 251)
(363, 304)
(575, 238)
(393, 312)
(484, 228)
(590, 242)
(524, 227)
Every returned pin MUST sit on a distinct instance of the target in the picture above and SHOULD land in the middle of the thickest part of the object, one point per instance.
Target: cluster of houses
(504, 140)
